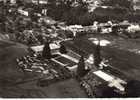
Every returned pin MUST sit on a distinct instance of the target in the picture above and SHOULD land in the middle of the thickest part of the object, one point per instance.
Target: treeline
(70, 11)
(77, 11)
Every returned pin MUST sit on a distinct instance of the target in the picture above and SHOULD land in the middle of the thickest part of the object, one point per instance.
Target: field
(8, 67)
(65, 89)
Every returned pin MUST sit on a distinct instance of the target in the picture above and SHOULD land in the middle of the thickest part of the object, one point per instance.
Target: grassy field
(65, 89)
(8, 66)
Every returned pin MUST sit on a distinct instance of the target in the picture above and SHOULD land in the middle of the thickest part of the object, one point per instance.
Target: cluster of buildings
(70, 61)
(64, 64)
(136, 5)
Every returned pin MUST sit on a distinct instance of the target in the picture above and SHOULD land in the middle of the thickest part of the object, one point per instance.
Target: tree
(108, 92)
(63, 49)
(46, 53)
(97, 55)
(133, 88)
(81, 68)
(40, 38)
(19, 2)
(56, 8)
(104, 91)
(67, 10)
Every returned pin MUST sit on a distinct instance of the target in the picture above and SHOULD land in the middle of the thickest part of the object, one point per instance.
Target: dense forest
(84, 12)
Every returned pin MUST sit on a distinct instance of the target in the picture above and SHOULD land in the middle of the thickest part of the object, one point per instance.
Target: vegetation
(77, 12)
(81, 68)
(97, 56)
(68, 10)
(63, 49)
(133, 88)
(46, 53)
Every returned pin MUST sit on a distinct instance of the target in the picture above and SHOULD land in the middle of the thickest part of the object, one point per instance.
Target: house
(136, 5)
(39, 48)
(40, 1)
(23, 12)
(112, 80)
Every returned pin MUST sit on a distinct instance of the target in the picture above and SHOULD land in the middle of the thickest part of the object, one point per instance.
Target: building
(136, 5)
(39, 48)
(40, 1)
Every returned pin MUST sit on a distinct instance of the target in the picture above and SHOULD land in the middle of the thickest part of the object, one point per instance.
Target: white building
(136, 4)
(40, 1)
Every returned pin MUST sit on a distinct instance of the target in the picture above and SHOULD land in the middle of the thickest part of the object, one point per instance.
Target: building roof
(112, 80)
(136, 5)
(40, 47)
(103, 75)
(40, 1)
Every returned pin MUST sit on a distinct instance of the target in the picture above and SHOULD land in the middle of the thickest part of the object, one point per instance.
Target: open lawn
(65, 89)
(8, 66)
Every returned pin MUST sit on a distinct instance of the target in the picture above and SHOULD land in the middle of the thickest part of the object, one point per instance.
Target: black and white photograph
(69, 49)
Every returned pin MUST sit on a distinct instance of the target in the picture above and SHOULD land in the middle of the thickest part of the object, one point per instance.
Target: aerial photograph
(69, 49)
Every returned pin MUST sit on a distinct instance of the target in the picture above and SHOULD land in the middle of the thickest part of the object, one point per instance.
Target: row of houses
(27, 1)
